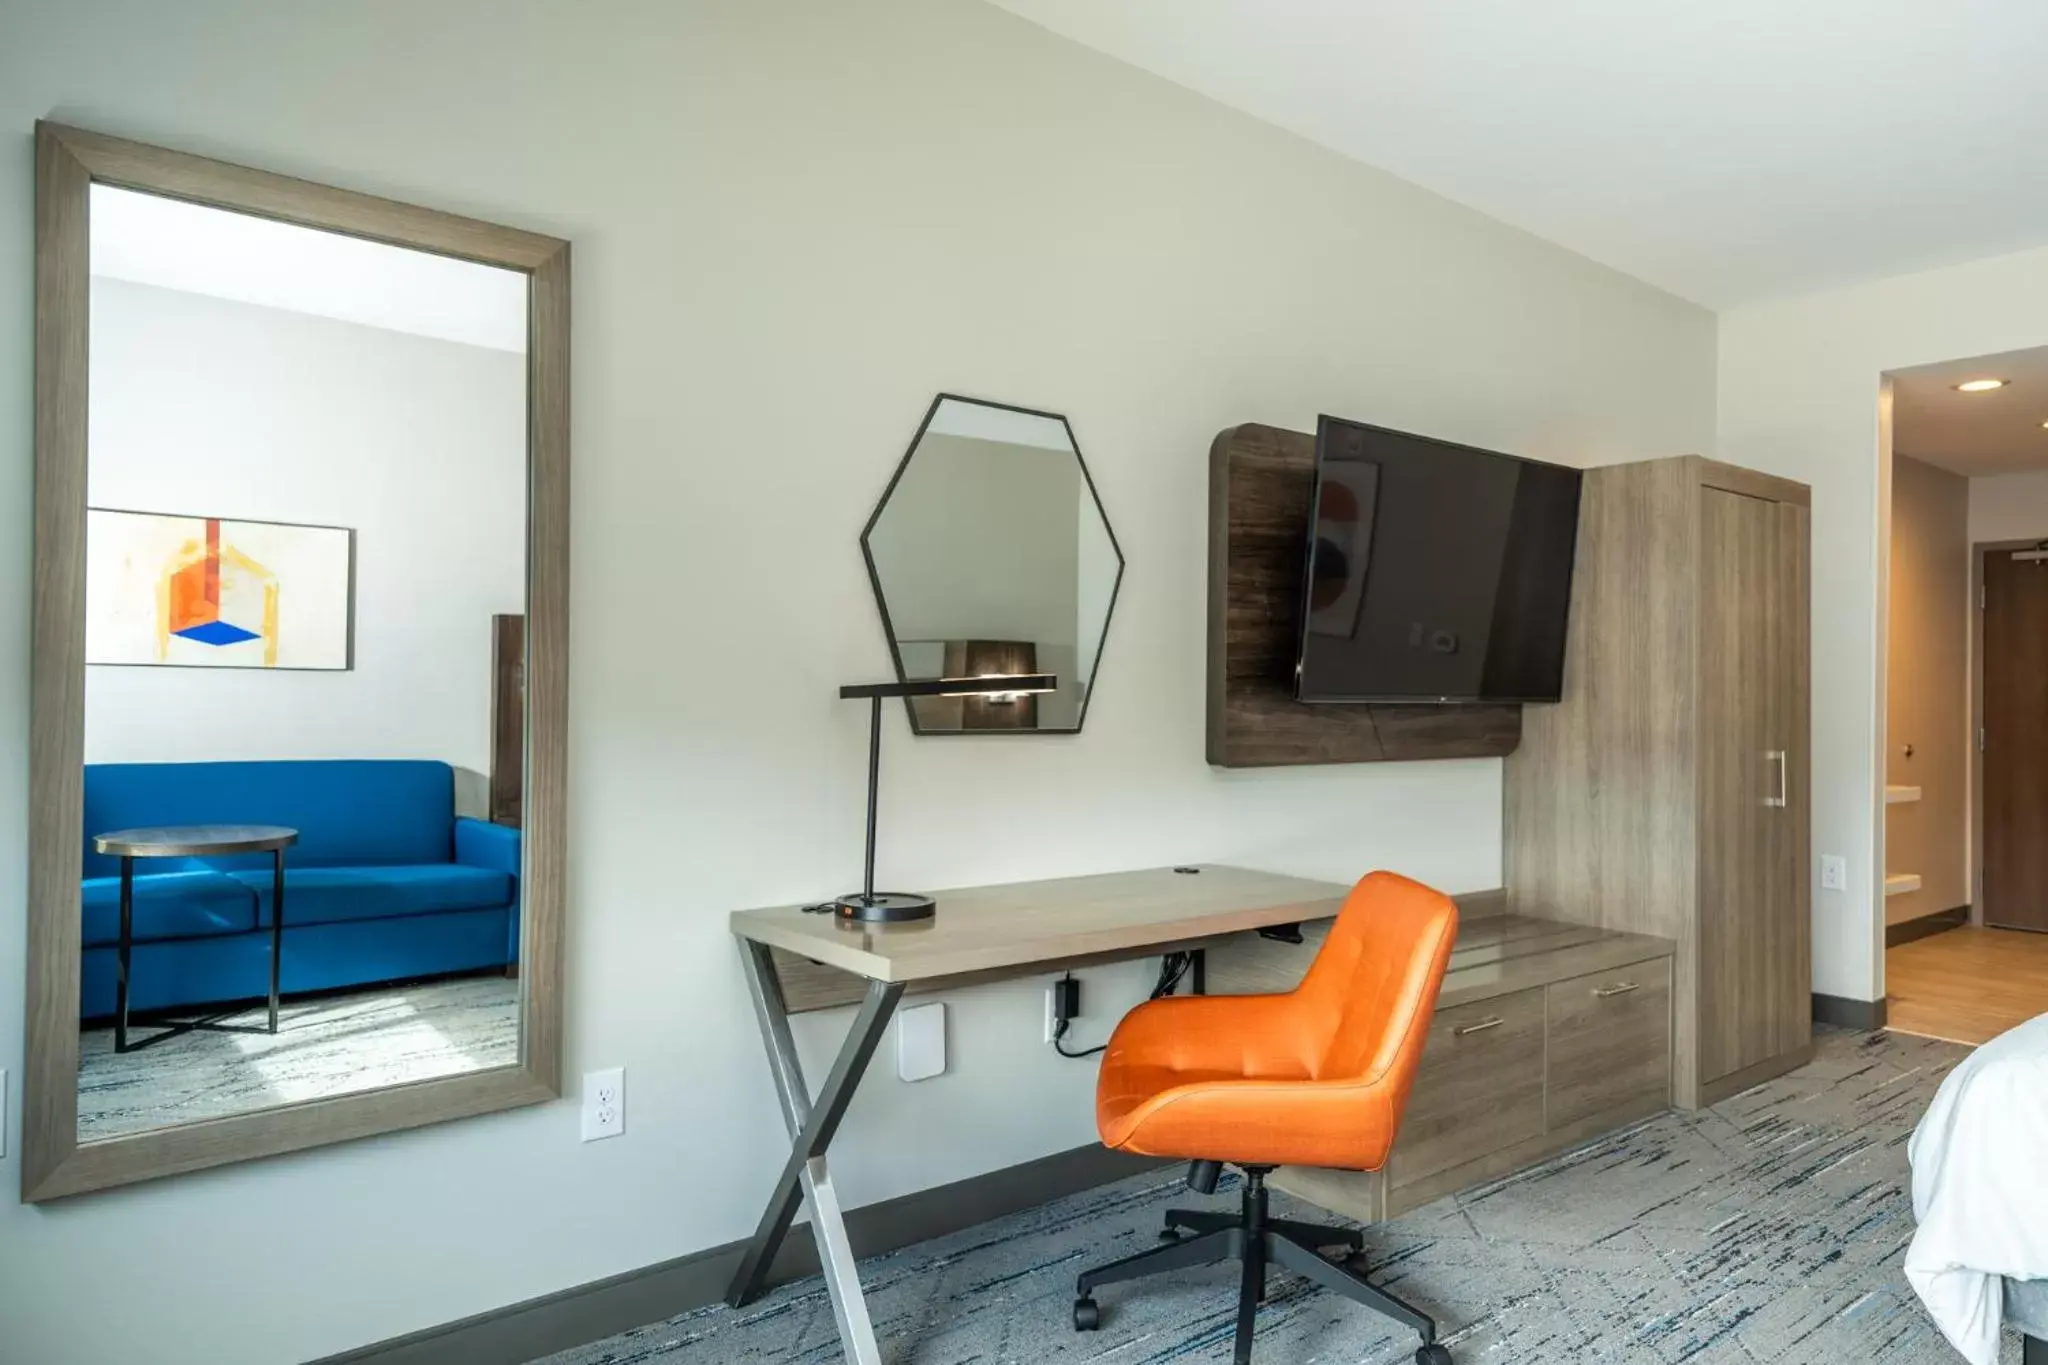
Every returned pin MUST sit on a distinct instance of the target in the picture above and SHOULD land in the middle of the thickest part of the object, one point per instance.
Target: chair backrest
(349, 812)
(1372, 989)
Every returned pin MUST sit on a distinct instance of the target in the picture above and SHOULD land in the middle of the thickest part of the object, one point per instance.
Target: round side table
(192, 841)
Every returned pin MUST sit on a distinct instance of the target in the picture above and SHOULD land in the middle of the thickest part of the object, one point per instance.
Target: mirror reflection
(990, 554)
(304, 727)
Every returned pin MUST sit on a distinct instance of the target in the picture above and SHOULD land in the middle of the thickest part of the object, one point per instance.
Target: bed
(1979, 1260)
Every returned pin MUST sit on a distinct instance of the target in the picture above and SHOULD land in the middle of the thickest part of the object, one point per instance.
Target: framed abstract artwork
(209, 592)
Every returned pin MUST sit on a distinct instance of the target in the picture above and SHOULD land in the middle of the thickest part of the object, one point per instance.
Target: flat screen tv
(1436, 572)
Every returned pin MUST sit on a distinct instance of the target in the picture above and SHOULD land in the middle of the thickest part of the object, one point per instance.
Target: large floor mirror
(300, 626)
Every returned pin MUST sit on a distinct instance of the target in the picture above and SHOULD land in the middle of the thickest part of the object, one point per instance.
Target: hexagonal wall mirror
(990, 554)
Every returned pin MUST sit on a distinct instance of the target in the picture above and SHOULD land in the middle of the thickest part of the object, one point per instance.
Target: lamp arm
(874, 791)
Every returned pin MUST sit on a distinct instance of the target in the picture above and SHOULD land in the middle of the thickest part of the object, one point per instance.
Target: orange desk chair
(1315, 1077)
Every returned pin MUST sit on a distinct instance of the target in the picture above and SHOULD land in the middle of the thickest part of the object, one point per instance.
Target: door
(1755, 975)
(2015, 741)
(1786, 1024)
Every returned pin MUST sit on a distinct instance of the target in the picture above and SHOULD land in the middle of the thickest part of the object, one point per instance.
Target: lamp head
(994, 684)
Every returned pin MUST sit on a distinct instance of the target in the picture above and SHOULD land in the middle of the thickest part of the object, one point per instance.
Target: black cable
(1173, 969)
(1059, 1032)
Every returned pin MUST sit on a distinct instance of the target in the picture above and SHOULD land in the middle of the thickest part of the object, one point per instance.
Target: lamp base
(884, 907)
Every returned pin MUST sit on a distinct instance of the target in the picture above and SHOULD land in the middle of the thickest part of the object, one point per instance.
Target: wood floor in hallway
(1967, 985)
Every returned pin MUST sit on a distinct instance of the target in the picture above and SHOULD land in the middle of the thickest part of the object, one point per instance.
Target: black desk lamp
(898, 907)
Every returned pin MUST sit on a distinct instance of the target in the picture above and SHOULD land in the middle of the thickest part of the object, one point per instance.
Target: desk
(981, 934)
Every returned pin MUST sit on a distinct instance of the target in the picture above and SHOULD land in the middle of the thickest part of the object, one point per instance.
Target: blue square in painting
(216, 633)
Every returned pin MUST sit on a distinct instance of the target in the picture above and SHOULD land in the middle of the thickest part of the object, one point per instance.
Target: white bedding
(1980, 1193)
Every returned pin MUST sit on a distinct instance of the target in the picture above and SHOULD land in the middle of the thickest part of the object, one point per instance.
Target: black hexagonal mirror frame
(988, 532)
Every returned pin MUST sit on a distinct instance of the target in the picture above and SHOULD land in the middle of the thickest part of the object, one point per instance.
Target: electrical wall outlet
(1834, 873)
(921, 1042)
(604, 1103)
(1052, 1012)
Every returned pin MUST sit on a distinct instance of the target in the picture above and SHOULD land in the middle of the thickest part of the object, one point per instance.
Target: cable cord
(1173, 969)
(1059, 1033)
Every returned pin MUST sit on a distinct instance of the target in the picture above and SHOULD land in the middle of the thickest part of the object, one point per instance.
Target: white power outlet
(1834, 873)
(1051, 1019)
(604, 1103)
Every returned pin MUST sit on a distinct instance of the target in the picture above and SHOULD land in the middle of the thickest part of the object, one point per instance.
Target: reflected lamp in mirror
(990, 553)
(868, 905)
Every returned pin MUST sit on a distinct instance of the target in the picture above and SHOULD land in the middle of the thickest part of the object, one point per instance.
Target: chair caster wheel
(1432, 1354)
(1088, 1317)
(1169, 1234)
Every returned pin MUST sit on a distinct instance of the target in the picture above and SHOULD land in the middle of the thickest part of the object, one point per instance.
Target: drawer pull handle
(1480, 1027)
(1602, 992)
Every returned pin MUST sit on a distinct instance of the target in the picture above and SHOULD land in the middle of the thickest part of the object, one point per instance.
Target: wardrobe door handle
(1777, 756)
(1480, 1027)
(1603, 992)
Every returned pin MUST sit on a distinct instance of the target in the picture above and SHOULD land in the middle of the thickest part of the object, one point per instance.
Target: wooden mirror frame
(68, 162)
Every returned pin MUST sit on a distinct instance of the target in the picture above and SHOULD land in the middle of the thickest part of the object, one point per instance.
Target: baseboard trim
(1735, 1082)
(1842, 1012)
(1925, 926)
(591, 1312)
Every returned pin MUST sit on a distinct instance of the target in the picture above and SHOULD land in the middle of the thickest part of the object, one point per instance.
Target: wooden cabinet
(1668, 792)
(1480, 1087)
(1610, 1041)
(1545, 1035)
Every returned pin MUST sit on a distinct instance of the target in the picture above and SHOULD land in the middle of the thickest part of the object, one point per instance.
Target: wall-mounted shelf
(1899, 883)
(1896, 795)
(1261, 481)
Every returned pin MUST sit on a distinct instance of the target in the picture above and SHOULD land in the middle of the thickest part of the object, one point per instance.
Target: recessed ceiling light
(1981, 385)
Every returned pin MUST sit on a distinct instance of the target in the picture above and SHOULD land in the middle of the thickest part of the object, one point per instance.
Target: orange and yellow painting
(216, 593)
(208, 590)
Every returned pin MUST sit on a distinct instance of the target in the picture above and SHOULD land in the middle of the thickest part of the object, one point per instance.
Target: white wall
(793, 224)
(2009, 506)
(206, 406)
(1799, 396)
(1927, 684)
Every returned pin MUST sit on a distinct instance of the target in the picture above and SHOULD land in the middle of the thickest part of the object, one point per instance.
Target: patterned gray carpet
(1767, 1231)
(324, 1045)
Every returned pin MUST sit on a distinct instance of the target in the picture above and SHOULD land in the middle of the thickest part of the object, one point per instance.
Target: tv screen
(1436, 572)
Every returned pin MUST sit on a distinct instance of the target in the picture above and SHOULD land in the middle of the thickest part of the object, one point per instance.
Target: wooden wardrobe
(1668, 792)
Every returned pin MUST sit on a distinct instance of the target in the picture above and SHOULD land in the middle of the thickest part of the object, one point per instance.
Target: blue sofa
(386, 883)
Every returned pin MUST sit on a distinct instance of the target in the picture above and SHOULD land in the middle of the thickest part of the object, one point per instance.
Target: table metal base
(812, 1125)
(176, 1028)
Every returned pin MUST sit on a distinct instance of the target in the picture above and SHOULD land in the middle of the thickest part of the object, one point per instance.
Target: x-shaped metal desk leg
(811, 1127)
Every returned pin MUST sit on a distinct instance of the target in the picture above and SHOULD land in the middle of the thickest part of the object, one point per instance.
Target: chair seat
(167, 905)
(1125, 1087)
(1215, 1116)
(333, 895)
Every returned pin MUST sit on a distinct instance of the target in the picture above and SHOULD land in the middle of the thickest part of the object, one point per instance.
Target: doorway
(2013, 701)
(1965, 832)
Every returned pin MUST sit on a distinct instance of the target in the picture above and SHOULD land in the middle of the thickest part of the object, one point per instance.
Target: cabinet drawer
(1479, 1089)
(1610, 1040)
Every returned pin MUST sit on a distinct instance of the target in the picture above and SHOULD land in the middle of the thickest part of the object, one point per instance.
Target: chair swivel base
(1257, 1241)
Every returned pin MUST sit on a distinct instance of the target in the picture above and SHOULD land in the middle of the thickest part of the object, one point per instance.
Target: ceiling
(1974, 434)
(148, 239)
(1728, 151)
